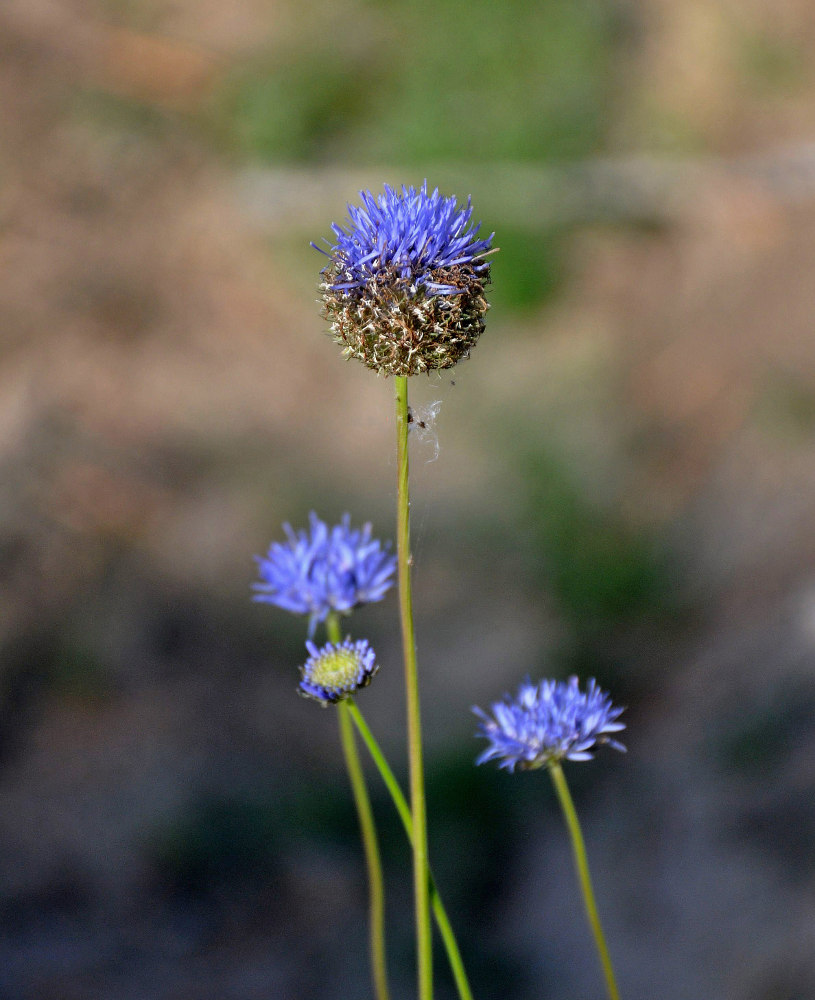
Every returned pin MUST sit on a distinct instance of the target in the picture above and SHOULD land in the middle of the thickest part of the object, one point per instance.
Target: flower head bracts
(404, 289)
(324, 569)
(336, 671)
(548, 722)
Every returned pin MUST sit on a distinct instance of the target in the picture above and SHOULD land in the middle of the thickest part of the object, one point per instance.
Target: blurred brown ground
(168, 397)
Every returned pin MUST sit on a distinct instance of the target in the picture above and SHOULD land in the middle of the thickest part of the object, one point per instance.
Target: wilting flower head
(324, 569)
(337, 671)
(547, 723)
(404, 289)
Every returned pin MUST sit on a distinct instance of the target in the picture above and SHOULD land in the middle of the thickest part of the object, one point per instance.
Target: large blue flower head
(322, 569)
(547, 723)
(336, 671)
(404, 286)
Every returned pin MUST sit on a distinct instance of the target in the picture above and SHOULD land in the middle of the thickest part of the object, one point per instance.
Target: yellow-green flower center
(336, 669)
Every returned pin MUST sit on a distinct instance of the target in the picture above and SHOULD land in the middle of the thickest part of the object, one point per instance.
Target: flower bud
(336, 671)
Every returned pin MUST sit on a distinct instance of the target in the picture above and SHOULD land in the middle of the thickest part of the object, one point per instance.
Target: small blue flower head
(335, 672)
(547, 723)
(404, 286)
(324, 569)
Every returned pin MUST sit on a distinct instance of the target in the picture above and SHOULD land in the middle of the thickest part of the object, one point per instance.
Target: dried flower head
(324, 569)
(548, 722)
(336, 671)
(404, 289)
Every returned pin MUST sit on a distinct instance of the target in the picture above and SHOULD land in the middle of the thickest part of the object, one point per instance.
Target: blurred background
(624, 488)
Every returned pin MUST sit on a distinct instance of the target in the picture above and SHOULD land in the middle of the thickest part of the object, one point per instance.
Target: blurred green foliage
(292, 109)
(217, 840)
(770, 65)
(762, 739)
(530, 268)
(452, 81)
(221, 840)
(600, 569)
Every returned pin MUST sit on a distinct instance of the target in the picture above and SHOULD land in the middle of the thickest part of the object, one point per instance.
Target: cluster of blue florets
(410, 233)
(549, 722)
(404, 286)
(322, 569)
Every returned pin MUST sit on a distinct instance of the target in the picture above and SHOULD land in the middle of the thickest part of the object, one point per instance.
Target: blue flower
(324, 569)
(409, 235)
(335, 672)
(404, 289)
(547, 723)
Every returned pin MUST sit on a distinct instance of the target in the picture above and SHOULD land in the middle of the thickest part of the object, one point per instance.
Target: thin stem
(376, 885)
(582, 866)
(424, 941)
(399, 800)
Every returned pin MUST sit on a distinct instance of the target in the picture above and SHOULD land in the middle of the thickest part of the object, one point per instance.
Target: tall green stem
(582, 866)
(424, 943)
(399, 800)
(376, 885)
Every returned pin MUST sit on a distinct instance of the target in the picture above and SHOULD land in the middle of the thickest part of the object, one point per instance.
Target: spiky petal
(548, 722)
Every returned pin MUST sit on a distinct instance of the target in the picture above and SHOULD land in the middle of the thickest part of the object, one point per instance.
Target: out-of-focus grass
(453, 81)
(599, 569)
(284, 110)
(529, 269)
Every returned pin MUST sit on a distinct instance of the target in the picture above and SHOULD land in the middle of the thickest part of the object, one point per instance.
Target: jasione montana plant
(404, 291)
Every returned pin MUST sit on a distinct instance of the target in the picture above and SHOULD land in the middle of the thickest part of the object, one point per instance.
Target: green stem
(399, 800)
(376, 885)
(424, 942)
(582, 866)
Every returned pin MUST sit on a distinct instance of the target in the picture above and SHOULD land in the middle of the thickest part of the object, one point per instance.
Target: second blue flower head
(547, 723)
(325, 569)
